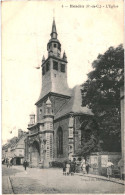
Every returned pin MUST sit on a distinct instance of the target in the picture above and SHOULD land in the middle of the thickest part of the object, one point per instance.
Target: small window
(62, 67)
(55, 65)
(43, 70)
(40, 111)
(55, 45)
(47, 66)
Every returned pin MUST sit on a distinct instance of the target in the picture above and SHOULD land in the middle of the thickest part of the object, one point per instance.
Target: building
(14, 149)
(6, 148)
(61, 121)
(18, 149)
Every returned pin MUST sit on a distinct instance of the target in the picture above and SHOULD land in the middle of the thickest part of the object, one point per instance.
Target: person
(64, 168)
(109, 168)
(67, 168)
(83, 167)
(121, 167)
(72, 168)
(25, 164)
(7, 162)
(87, 166)
(11, 162)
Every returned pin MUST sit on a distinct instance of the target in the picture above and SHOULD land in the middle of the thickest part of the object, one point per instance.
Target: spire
(43, 59)
(48, 102)
(64, 56)
(54, 33)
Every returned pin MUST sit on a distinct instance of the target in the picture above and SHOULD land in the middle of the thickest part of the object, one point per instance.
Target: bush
(56, 164)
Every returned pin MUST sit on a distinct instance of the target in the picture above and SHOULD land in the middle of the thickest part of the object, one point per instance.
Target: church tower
(54, 68)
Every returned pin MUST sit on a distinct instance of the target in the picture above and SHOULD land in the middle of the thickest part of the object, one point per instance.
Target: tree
(89, 138)
(101, 93)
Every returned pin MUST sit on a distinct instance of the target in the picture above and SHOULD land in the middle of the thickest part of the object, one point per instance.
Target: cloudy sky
(26, 27)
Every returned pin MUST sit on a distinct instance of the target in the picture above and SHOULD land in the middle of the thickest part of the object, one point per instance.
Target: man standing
(87, 168)
(109, 168)
(25, 164)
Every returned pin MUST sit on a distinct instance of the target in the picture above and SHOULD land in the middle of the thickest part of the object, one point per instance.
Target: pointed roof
(74, 105)
(43, 59)
(53, 27)
(48, 102)
(64, 56)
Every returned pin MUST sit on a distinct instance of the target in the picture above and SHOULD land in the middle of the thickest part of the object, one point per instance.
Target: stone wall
(98, 162)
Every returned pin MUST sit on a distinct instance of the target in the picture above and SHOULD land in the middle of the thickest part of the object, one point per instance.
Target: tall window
(62, 67)
(55, 65)
(59, 141)
(47, 66)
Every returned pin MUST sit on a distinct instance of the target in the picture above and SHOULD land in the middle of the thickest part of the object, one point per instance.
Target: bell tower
(54, 68)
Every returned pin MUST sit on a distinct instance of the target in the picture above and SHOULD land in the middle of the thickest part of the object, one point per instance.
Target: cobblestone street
(36, 181)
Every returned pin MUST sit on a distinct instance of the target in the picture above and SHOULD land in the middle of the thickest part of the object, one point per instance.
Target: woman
(83, 166)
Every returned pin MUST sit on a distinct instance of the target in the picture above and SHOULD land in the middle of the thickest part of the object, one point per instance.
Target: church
(61, 121)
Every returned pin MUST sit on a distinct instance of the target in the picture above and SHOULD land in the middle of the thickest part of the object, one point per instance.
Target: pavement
(52, 181)
(99, 177)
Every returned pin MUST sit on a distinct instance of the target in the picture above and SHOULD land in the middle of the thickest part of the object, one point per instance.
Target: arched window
(59, 141)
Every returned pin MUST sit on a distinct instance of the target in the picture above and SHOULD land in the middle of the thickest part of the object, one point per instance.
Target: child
(64, 168)
(67, 168)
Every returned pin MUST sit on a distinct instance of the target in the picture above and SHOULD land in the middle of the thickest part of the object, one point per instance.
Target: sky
(26, 27)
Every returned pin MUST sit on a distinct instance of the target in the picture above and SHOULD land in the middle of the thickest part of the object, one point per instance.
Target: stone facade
(56, 134)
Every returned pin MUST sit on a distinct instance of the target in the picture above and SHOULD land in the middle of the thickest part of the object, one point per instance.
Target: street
(38, 181)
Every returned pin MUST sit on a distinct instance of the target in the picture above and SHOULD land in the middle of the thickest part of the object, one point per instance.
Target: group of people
(69, 167)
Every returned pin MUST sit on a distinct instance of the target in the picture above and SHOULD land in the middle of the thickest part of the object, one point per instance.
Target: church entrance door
(35, 154)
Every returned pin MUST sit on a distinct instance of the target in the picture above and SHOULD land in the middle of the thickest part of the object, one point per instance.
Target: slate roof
(59, 90)
(74, 105)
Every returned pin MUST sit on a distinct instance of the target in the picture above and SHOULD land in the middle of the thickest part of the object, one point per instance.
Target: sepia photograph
(62, 97)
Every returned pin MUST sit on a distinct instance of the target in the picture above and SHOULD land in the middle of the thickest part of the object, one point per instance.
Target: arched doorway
(35, 154)
(59, 142)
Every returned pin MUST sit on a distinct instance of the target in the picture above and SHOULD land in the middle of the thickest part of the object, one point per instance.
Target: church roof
(58, 89)
(74, 105)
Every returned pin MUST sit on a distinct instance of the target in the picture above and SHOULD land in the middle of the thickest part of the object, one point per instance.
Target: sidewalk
(6, 185)
(99, 177)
